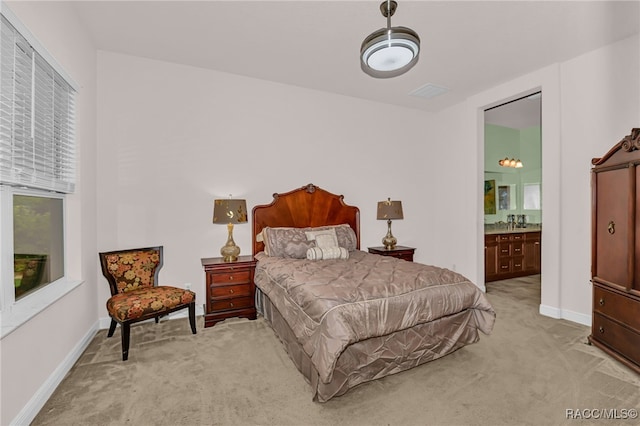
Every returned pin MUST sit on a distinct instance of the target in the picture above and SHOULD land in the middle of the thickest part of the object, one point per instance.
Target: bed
(353, 317)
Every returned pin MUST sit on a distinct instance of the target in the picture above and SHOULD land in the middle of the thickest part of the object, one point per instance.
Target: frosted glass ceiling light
(392, 51)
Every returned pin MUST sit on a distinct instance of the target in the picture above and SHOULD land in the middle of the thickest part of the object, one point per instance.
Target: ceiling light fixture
(392, 51)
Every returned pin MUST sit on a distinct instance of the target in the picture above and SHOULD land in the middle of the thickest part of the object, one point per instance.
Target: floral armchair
(135, 293)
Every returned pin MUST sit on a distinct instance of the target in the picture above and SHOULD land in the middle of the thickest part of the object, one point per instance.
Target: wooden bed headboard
(309, 206)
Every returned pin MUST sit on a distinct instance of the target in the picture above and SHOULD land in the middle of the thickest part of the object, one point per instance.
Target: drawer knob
(601, 329)
(601, 301)
(611, 228)
(231, 290)
(230, 277)
(231, 304)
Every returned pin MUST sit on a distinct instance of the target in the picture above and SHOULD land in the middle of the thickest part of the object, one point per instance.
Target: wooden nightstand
(399, 252)
(230, 289)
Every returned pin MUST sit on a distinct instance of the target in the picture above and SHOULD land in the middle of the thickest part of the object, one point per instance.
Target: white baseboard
(37, 401)
(576, 317)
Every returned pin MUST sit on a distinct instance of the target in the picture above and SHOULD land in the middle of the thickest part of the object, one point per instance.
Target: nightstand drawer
(236, 303)
(227, 291)
(406, 256)
(231, 277)
(399, 252)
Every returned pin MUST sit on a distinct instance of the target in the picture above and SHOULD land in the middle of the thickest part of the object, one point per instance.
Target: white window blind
(37, 118)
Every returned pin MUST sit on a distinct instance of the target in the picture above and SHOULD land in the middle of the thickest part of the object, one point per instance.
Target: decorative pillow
(325, 238)
(286, 242)
(326, 245)
(317, 253)
(293, 243)
(346, 235)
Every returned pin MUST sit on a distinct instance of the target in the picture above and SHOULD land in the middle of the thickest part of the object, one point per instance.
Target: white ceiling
(467, 46)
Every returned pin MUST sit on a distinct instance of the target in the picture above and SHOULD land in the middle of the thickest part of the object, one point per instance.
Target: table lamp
(229, 212)
(389, 210)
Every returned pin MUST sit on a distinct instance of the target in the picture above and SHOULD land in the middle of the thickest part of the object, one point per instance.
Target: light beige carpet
(529, 371)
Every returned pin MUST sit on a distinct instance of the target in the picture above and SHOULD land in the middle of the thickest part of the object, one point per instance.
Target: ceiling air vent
(429, 91)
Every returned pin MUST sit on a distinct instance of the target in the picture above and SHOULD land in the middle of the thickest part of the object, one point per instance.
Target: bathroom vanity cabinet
(512, 254)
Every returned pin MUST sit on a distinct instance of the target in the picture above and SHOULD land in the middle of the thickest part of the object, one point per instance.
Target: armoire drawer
(617, 306)
(617, 337)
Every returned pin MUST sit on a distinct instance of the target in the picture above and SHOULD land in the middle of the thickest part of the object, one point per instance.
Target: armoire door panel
(612, 229)
(635, 285)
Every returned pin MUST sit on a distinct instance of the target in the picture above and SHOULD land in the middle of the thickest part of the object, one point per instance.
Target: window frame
(14, 313)
(532, 184)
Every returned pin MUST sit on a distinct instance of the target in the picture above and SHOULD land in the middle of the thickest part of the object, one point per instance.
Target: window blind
(37, 118)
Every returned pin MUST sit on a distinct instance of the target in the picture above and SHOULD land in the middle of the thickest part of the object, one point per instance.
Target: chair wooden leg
(124, 329)
(192, 316)
(112, 327)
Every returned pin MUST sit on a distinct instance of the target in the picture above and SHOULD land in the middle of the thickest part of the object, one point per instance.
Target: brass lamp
(230, 211)
(389, 210)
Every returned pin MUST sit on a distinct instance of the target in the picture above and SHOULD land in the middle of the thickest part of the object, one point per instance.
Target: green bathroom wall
(525, 144)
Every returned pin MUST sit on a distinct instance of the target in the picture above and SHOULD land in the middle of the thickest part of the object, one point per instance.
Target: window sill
(25, 309)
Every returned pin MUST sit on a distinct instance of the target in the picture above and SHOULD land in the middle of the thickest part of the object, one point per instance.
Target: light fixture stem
(388, 14)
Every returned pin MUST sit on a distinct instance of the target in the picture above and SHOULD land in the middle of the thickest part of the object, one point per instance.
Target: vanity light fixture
(392, 51)
(516, 164)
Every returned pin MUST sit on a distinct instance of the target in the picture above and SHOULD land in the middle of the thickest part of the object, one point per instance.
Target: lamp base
(230, 250)
(389, 241)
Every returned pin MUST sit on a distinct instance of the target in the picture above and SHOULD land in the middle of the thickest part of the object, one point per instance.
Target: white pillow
(317, 253)
(324, 239)
(326, 245)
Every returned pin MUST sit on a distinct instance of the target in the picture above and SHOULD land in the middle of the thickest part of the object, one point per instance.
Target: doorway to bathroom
(513, 189)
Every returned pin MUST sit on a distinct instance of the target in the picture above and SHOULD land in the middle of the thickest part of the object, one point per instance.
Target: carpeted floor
(530, 371)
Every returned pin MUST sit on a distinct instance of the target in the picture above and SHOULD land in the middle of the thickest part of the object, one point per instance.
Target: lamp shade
(390, 210)
(229, 211)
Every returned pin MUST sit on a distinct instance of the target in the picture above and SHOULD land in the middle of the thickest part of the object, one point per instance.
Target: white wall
(588, 104)
(172, 138)
(600, 94)
(36, 356)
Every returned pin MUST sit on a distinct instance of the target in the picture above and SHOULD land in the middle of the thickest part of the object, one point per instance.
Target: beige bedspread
(330, 304)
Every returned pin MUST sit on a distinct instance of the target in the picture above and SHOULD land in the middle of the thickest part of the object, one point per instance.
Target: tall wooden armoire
(615, 258)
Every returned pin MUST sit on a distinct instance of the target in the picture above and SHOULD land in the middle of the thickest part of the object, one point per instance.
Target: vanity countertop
(497, 229)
